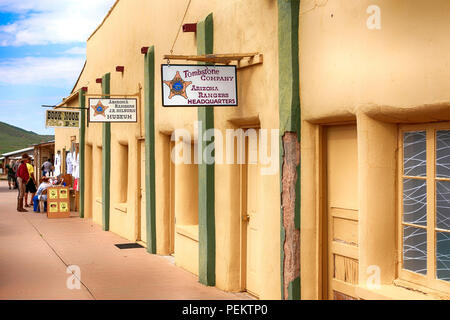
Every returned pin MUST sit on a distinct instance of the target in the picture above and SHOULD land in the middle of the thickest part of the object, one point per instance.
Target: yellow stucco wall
(239, 27)
(345, 67)
(376, 79)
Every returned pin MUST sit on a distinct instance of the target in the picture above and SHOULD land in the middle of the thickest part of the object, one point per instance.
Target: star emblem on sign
(99, 109)
(178, 86)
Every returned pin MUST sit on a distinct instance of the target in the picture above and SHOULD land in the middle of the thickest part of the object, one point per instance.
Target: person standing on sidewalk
(47, 167)
(22, 178)
(11, 174)
(30, 186)
(16, 167)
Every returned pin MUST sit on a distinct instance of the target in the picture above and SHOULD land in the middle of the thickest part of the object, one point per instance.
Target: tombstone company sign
(198, 86)
(112, 110)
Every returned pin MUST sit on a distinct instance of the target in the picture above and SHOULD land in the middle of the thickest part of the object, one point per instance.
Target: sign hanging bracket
(112, 95)
(63, 107)
(243, 60)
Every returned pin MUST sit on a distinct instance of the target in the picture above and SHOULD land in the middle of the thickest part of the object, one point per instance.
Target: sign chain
(178, 32)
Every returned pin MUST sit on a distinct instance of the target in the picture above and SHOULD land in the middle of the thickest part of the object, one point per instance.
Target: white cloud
(76, 51)
(55, 72)
(52, 21)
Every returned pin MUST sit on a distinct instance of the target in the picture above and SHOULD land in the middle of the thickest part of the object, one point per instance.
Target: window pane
(443, 204)
(443, 153)
(415, 153)
(415, 201)
(415, 249)
(443, 256)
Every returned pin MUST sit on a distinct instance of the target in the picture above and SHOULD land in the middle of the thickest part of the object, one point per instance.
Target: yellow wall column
(377, 144)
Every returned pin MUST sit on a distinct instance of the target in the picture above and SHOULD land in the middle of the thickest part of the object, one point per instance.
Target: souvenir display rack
(58, 202)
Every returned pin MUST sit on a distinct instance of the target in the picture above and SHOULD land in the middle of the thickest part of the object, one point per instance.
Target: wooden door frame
(171, 199)
(89, 148)
(139, 195)
(322, 223)
(323, 220)
(167, 191)
(243, 224)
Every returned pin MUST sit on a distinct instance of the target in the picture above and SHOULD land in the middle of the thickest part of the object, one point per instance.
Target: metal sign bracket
(243, 60)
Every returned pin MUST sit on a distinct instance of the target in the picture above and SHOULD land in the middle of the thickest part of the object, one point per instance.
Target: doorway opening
(338, 223)
(250, 222)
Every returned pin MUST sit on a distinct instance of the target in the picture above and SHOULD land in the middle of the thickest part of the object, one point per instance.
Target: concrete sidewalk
(35, 252)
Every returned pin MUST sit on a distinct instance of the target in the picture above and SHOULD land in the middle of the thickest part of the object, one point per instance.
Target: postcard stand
(58, 202)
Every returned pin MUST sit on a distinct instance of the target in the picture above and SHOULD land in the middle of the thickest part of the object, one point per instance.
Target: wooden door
(251, 184)
(142, 209)
(341, 260)
(89, 180)
(171, 166)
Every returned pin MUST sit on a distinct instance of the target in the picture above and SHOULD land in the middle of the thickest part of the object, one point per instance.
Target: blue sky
(42, 51)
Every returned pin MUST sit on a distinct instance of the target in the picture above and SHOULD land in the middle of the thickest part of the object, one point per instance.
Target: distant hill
(14, 138)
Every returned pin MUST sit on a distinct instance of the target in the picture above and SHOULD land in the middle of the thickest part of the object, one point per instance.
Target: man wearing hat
(22, 178)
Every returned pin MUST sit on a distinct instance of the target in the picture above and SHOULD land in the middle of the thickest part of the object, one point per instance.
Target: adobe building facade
(358, 89)
(221, 222)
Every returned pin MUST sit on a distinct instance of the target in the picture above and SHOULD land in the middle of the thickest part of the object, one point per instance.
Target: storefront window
(414, 202)
(443, 204)
(425, 205)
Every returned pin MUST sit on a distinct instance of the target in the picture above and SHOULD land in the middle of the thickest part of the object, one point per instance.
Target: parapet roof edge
(104, 19)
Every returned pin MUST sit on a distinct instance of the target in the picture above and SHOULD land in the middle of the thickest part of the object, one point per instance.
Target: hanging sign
(112, 110)
(198, 86)
(62, 119)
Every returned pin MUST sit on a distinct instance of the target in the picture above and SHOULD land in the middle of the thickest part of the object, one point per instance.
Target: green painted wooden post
(82, 104)
(206, 180)
(150, 198)
(289, 109)
(106, 158)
